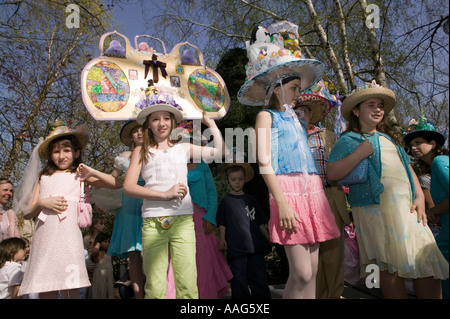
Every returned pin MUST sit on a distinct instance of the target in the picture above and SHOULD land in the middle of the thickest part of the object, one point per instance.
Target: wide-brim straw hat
(125, 132)
(317, 104)
(249, 173)
(58, 129)
(254, 91)
(158, 102)
(370, 91)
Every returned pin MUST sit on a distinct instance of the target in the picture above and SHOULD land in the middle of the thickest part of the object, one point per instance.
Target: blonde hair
(149, 141)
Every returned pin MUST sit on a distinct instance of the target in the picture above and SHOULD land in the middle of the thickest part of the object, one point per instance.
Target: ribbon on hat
(155, 64)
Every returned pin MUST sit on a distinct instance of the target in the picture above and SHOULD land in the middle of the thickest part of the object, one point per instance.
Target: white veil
(23, 194)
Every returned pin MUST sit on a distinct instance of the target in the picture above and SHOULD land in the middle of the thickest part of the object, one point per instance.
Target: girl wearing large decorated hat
(427, 145)
(167, 207)
(52, 197)
(275, 79)
(388, 205)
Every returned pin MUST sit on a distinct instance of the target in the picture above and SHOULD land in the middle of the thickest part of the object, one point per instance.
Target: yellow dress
(389, 234)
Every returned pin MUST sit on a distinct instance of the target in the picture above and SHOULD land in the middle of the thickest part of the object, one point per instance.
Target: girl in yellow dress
(388, 208)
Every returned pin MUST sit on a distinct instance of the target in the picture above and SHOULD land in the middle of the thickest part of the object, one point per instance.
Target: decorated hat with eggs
(270, 62)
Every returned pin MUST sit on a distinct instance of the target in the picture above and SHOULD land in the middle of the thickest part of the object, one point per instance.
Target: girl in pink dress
(56, 264)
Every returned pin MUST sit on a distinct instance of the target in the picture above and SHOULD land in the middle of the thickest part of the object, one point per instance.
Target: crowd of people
(165, 227)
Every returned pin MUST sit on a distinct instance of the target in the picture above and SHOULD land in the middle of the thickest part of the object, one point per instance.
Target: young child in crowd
(312, 107)
(213, 272)
(300, 216)
(126, 241)
(12, 253)
(103, 277)
(427, 145)
(56, 264)
(167, 207)
(243, 235)
(388, 208)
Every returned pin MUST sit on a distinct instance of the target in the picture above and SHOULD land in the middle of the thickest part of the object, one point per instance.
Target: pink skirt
(305, 194)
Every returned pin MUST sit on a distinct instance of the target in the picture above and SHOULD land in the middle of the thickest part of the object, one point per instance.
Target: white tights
(303, 262)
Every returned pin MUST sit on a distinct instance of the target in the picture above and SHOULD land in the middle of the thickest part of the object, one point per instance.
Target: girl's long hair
(68, 140)
(149, 141)
(383, 127)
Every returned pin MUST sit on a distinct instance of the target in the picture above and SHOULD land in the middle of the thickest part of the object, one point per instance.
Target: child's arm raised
(97, 178)
(287, 217)
(206, 152)
(132, 189)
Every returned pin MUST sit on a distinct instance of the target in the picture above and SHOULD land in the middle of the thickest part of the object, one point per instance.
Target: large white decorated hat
(163, 100)
(270, 62)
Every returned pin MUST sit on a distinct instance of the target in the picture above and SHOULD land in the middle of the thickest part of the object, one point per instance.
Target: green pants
(156, 241)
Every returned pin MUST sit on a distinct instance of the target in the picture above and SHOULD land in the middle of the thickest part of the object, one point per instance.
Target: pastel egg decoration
(107, 86)
(206, 90)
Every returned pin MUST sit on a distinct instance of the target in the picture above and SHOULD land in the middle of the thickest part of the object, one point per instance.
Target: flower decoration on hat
(158, 98)
(423, 128)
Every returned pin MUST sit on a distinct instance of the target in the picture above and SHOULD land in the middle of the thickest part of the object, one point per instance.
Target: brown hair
(383, 127)
(68, 140)
(149, 141)
(9, 247)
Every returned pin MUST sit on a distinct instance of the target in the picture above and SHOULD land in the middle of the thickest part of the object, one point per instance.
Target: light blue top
(290, 150)
(439, 191)
(203, 190)
(368, 193)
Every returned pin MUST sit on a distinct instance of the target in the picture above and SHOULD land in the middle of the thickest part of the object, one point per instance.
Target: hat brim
(159, 107)
(125, 132)
(249, 173)
(429, 135)
(81, 137)
(318, 105)
(253, 92)
(387, 95)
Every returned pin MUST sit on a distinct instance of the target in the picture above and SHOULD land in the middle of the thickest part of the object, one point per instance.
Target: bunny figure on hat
(388, 207)
(167, 206)
(57, 243)
(275, 80)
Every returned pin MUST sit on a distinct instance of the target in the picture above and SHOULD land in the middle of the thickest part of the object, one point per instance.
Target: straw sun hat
(59, 129)
(369, 91)
(246, 166)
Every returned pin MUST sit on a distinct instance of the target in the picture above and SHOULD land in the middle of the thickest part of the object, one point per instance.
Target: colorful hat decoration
(289, 34)
(125, 132)
(368, 91)
(270, 63)
(59, 129)
(422, 128)
(158, 100)
(319, 99)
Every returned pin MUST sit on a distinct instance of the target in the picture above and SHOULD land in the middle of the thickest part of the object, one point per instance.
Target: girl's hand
(57, 204)
(419, 207)
(178, 190)
(207, 227)
(207, 121)
(364, 149)
(288, 218)
(84, 172)
(222, 244)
